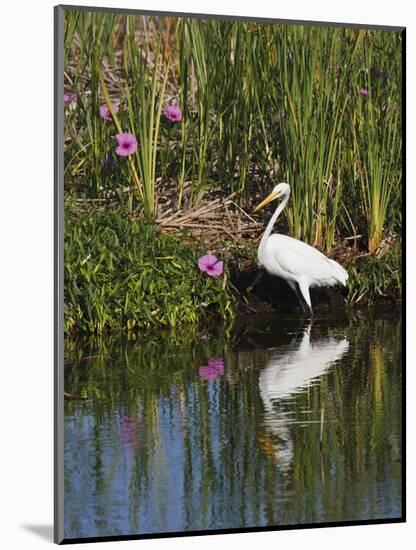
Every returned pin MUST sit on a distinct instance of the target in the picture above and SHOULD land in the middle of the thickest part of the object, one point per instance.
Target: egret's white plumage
(293, 260)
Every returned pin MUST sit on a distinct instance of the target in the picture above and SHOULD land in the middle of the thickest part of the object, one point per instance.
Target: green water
(283, 423)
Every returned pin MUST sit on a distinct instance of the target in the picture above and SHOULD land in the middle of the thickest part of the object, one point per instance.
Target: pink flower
(105, 112)
(130, 432)
(363, 92)
(214, 369)
(127, 144)
(70, 98)
(172, 112)
(211, 265)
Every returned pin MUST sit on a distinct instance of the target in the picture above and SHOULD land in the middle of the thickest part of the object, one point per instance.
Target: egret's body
(301, 265)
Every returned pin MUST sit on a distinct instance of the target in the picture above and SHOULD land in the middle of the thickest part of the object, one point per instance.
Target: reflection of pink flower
(172, 112)
(214, 369)
(130, 428)
(127, 144)
(105, 112)
(211, 265)
(70, 98)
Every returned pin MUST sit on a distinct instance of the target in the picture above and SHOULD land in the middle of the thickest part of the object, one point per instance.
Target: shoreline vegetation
(175, 129)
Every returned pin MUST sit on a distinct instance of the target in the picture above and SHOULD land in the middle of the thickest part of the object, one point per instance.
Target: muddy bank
(271, 295)
(274, 294)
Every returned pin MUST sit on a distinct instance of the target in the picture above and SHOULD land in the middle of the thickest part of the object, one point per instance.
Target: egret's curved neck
(270, 225)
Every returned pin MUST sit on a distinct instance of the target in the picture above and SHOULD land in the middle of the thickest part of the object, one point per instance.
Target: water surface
(284, 423)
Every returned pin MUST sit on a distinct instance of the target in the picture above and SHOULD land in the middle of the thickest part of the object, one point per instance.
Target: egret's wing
(301, 260)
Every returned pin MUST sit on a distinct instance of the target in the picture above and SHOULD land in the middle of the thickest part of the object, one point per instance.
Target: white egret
(298, 263)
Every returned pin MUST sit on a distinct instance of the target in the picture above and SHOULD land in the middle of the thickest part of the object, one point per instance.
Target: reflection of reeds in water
(207, 448)
(376, 352)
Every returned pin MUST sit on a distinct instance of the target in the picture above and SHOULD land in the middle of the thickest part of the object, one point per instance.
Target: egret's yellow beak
(270, 198)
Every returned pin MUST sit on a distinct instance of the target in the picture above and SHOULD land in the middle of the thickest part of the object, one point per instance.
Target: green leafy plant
(121, 274)
(373, 279)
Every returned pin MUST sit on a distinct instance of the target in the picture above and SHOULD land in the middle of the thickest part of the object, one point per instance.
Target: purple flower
(172, 112)
(127, 144)
(105, 112)
(70, 98)
(214, 369)
(211, 265)
(363, 92)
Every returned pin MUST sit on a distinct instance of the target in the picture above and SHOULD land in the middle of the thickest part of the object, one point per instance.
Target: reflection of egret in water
(287, 374)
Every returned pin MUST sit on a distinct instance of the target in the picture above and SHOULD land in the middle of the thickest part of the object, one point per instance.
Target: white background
(26, 271)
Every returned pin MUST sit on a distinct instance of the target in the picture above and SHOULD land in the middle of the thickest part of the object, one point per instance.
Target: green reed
(375, 126)
(194, 64)
(145, 95)
(88, 38)
(222, 86)
(235, 95)
(312, 69)
(318, 107)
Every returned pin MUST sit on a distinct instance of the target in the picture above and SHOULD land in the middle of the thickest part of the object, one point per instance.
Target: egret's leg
(294, 287)
(255, 281)
(301, 299)
(309, 327)
(304, 290)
